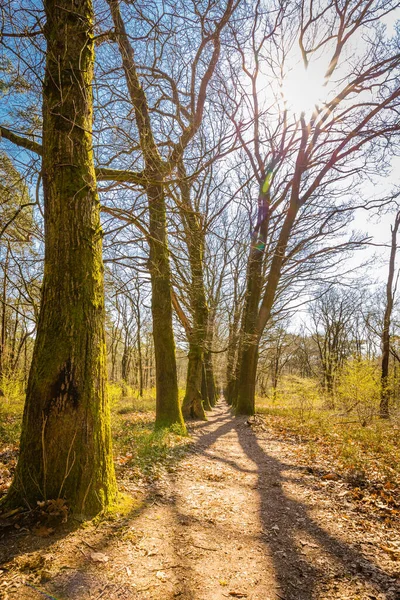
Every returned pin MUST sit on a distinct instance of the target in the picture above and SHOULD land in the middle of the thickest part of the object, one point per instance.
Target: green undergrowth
(11, 409)
(140, 450)
(370, 451)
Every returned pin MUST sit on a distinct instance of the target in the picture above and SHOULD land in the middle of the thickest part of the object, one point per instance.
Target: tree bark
(168, 410)
(385, 392)
(3, 329)
(66, 439)
(210, 378)
(194, 235)
(233, 352)
(254, 320)
(245, 401)
(208, 405)
(192, 406)
(139, 349)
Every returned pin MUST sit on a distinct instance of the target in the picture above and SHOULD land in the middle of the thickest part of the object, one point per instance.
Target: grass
(140, 450)
(11, 409)
(371, 451)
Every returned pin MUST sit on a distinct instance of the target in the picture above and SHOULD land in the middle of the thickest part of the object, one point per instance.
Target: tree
(66, 442)
(332, 314)
(385, 392)
(203, 283)
(280, 347)
(195, 242)
(157, 171)
(306, 164)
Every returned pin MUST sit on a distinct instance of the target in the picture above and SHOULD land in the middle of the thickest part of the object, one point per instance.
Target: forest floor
(240, 515)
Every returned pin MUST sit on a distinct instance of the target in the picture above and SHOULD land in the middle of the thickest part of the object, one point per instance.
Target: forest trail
(238, 518)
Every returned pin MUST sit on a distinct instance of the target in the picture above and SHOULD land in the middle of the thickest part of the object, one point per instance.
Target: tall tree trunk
(385, 393)
(192, 406)
(246, 384)
(205, 391)
(125, 359)
(254, 320)
(232, 356)
(194, 234)
(139, 350)
(168, 410)
(66, 440)
(26, 367)
(3, 329)
(12, 361)
(210, 378)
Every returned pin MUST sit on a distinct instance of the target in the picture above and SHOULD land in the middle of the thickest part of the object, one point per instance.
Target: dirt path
(239, 518)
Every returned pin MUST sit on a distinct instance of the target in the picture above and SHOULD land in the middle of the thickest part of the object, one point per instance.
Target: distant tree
(17, 230)
(390, 291)
(332, 314)
(276, 352)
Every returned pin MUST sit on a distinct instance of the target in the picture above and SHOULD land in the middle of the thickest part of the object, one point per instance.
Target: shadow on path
(288, 527)
(287, 523)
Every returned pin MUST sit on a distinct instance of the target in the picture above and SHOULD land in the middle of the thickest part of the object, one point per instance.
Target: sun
(304, 88)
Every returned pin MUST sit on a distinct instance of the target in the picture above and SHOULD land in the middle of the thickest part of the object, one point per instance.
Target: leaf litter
(244, 514)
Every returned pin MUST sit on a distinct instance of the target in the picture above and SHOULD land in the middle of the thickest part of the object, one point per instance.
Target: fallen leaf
(393, 552)
(99, 557)
(43, 531)
(331, 477)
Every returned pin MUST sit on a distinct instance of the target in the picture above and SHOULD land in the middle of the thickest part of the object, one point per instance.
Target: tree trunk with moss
(232, 356)
(245, 401)
(193, 407)
(204, 390)
(168, 411)
(3, 328)
(194, 235)
(66, 440)
(193, 403)
(210, 377)
(254, 319)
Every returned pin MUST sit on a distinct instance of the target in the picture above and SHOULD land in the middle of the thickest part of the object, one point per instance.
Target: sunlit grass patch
(141, 450)
(11, 409)
(371, 450)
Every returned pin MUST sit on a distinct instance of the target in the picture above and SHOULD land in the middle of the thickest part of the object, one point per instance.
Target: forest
(199, 304)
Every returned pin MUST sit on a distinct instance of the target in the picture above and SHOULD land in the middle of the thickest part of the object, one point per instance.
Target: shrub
(301, 394)
(359, 389)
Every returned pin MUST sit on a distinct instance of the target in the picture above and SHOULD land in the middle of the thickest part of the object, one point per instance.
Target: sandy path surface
(238, 518)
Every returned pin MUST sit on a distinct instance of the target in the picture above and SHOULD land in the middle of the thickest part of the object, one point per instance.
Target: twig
(103, 591)
(40, 591)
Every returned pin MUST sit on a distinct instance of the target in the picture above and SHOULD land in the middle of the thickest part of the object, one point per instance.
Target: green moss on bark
(66, 440)
(168, 409)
